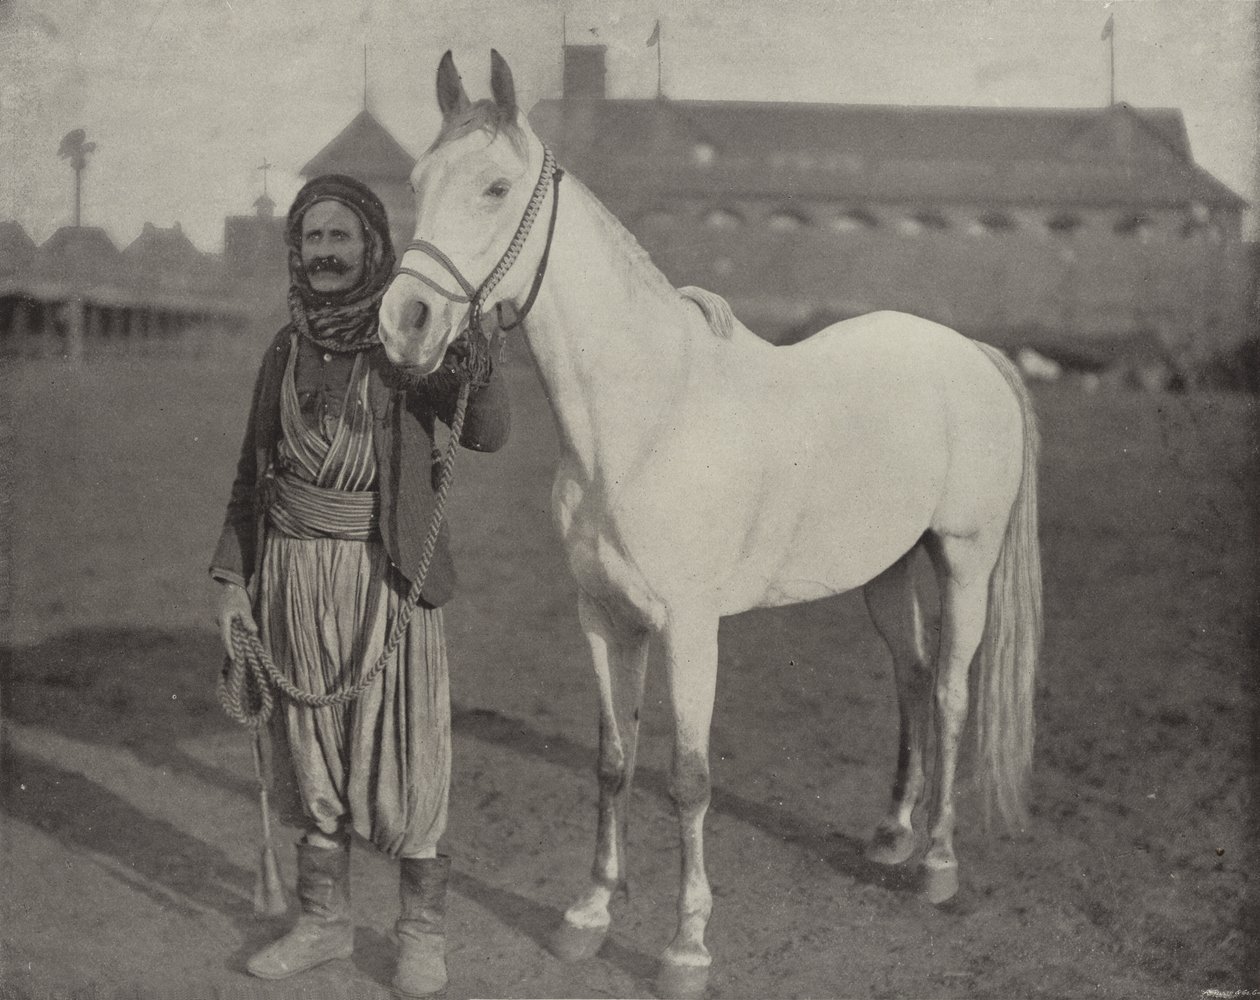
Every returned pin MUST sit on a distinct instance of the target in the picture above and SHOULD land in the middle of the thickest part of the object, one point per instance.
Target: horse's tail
(1005, 671)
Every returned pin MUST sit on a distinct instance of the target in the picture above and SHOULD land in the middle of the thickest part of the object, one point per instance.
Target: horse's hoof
(890, 845)
(681, 982)
(940, 884)
(571, 943)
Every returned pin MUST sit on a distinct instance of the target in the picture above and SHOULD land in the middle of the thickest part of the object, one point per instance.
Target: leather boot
(323, 930)
(421, 929)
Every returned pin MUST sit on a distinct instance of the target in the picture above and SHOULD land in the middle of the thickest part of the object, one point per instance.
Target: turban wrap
(345, 320)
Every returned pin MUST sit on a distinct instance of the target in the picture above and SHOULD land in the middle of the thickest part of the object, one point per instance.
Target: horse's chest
(602, 564)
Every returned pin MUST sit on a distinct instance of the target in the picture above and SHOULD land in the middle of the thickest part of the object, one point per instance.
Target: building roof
(877, 153)
(167, 257)
(80, 253)
(16, 247)
(364, 149)
(163, 248)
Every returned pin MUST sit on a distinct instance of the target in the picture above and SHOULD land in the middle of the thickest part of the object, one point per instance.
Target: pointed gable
(79, 253)
(17, 249)
(162, 248)
(166, 258)
(363, 149)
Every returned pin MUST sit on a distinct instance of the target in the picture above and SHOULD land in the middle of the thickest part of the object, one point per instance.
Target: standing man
(323, 537)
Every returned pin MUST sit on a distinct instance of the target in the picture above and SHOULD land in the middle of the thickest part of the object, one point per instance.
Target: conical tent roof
(17, 249)
(82, 253)
(363, 149)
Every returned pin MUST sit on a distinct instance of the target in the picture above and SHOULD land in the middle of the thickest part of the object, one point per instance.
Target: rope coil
(247, 685)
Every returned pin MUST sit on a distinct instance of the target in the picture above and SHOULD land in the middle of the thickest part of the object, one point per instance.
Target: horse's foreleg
(691, 657)
(963, 567)
(620, 661)
(893, 603)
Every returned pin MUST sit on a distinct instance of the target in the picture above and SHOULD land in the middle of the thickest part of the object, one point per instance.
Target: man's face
(332, 247)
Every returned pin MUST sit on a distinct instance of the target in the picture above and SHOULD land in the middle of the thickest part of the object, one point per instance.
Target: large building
(1087, 232)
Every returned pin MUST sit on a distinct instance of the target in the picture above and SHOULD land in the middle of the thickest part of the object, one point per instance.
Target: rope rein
(246, 685)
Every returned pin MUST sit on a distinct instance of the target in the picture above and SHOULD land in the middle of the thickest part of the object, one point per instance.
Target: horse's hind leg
(691, 665)
(893, 603)
(963, 566)
(620, 661)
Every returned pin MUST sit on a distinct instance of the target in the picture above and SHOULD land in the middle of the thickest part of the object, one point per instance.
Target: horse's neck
(611, 339)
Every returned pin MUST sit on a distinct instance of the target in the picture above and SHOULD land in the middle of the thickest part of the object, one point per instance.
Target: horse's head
(474, 188)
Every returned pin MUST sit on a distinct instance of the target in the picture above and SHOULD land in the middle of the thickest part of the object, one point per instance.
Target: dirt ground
(130, 820)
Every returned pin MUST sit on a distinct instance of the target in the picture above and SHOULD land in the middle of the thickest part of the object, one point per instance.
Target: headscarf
(346, 320)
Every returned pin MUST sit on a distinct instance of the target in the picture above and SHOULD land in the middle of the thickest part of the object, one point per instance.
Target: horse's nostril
(418, 315)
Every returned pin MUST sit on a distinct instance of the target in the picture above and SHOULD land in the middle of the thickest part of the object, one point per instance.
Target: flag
(656, 35)
(1109, 26)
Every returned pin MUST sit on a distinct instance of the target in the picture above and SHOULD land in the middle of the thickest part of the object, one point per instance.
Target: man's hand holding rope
(234, 604)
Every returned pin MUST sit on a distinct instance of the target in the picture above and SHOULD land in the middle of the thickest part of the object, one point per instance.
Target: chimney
(584, 71)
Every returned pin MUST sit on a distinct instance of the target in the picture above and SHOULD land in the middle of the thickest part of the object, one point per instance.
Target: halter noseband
(477, 296)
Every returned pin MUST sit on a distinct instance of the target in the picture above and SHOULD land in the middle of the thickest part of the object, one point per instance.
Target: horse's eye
(498, 189)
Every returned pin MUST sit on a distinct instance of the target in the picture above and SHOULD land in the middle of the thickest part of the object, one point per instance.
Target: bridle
(479, 340)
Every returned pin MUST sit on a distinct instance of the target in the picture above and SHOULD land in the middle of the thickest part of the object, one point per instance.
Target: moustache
(334, 265)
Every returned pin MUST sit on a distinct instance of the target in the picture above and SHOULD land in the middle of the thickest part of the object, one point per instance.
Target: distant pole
(365, 78)
(75, 148)
(654, 40)
(1109, 36)
(264, 167)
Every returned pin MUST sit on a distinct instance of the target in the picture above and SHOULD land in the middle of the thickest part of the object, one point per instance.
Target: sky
(186, 99)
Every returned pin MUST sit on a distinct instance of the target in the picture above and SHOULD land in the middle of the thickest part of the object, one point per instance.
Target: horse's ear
(450, 88)
(501, 86)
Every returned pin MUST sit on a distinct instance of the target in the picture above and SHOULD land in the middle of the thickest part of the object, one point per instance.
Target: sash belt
(302, 510)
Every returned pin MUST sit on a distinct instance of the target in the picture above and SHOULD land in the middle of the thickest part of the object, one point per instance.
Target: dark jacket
(403, 430)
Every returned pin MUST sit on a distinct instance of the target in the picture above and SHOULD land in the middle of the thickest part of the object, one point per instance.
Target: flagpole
(654, 39)
(1111, 47)
(1109, 36)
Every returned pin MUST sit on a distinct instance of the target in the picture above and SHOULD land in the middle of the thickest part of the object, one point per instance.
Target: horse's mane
(482, 116)
(717, 311)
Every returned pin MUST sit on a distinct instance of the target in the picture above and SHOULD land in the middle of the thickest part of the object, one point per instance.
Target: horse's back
(882, 338)
(895, 361)
(822, 462)
(905, 426)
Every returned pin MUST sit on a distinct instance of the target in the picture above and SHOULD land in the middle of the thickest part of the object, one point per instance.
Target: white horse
(704, 472)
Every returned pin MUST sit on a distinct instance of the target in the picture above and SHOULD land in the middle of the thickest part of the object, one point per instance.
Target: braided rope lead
(245, 687)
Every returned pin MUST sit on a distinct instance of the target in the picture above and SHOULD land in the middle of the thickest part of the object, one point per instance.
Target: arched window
(918, 223)
(930, 218)
(703, 154)
(909, 225)
(996, 221)
(853, 220)
(1064, 223)
(1137, 225)
(786, 220)
(723, 218)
